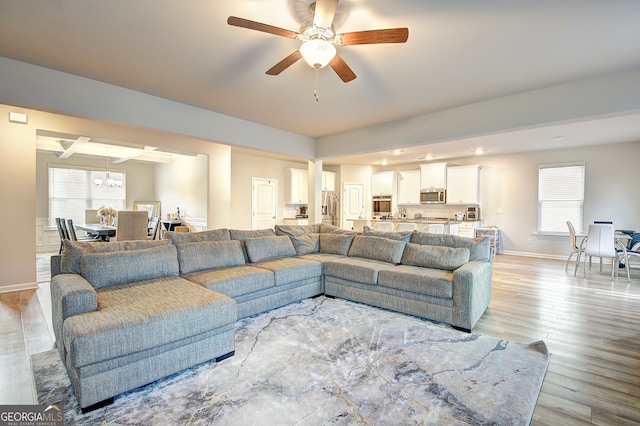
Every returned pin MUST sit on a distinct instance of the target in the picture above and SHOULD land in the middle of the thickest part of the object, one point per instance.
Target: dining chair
(61, 232)
(384, 226)
(403, 227)
(573, 244)
(152, 228)
(600, 242)
(627, 253)
(72, 233)
(90, 216)
(132, 225)
(181, 228)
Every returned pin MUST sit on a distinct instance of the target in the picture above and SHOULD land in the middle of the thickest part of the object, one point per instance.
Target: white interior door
(264, 203)
(353, 203)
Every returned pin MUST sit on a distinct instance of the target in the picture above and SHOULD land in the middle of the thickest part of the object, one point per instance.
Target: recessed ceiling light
(479, 151)
(429, 157)
(558, 138)
(396, 152)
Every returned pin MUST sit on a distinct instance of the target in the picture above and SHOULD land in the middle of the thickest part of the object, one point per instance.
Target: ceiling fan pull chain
(315, 89)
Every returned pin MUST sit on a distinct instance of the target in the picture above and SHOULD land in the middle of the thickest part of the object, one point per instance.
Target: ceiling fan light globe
(317, 52)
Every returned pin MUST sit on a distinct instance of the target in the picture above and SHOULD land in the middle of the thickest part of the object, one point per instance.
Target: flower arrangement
(107, 211)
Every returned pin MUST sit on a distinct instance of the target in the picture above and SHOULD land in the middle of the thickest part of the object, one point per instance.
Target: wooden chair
(90, 216)
(132, 225)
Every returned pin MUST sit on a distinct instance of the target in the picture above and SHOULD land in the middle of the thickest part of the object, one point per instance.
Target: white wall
(184, 183)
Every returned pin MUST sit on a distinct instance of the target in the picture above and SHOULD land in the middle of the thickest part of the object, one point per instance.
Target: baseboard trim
(18, 287)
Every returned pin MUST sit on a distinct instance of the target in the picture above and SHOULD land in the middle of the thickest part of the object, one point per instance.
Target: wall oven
(433, 196)
(381, 205)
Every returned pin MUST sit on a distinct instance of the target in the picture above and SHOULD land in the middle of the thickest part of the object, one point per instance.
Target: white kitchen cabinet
(463, 184)
(328, 181)
(297, 186)
(408, 187)
(468, 229)
(454, 229)
(433, 175)
(382, 183)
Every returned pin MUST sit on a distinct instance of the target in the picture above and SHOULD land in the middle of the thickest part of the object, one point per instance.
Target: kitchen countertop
(408, 220)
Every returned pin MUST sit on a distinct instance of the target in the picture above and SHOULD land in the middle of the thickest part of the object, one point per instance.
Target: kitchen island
(451, 226)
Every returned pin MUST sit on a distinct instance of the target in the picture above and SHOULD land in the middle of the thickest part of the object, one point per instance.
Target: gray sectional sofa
(128, 313)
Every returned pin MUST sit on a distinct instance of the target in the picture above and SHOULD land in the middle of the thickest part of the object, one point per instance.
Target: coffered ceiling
(458, 53)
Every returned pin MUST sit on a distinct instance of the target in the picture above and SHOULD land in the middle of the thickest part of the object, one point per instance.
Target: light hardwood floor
(591, 327)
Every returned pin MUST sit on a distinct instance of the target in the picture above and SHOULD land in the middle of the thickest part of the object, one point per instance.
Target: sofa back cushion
(240, 234)
(377, 248)
(401, 236)
(265, 248)
(479, 248)
(192, 237)
(202, 255)
(120, 267)
(306, 243)
(436, 257)
(336, 243)
(326, 228)
(297, 230)
(74, 250)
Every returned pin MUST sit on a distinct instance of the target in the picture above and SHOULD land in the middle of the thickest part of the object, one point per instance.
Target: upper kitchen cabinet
(382, 183)
(409, 187)
(297, 186)
(328, 181)
(433, 175)
(463, 184)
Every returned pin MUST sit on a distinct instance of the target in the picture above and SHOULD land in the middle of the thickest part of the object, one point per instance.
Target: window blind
(560, 197)
(72, 191)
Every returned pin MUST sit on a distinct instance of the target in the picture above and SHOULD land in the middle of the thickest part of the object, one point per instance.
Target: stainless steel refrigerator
(330, 208)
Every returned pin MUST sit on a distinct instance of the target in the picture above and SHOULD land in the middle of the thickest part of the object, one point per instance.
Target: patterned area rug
(326, 361)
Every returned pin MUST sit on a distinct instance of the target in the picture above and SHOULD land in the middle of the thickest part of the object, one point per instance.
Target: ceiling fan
(319, 38)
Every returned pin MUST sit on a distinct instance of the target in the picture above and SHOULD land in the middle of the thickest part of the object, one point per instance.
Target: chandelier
(108, 182)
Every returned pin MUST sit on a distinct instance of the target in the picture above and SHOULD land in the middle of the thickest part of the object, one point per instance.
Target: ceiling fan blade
(391, 35)
(285, 63)
(324, 13)
(259, 26)
(342, 69)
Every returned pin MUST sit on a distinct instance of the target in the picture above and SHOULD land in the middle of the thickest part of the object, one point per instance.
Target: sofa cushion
(356, 269)
(192, 237)
(326, 228)
(401, 236)
(140, 316)
(306, 243)
(121, 267)
(73, 250)
(479, 248)
(233, 281)
(438, 257)
(265, 248)
(240, 234)
(430, 282)
(287, 270)
(297, 230)
(203, 255)
(377, 248)
(335, 243)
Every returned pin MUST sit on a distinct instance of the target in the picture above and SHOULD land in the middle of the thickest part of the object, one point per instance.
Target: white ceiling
(458, 52)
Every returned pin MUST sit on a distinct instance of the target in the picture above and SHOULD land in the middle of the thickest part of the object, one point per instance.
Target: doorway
(353, 205)
(264, 199)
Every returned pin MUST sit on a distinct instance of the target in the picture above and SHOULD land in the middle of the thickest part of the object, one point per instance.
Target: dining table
(101, 232)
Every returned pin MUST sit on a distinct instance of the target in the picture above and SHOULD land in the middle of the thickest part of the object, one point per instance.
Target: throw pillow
(202, 255)
(479, 248)
(326, 228)
(437, 257)
(306, 243)
(377, 248)
(265, 248)
(296, 230)
(335, 243)
(127, 266)
(192, 237)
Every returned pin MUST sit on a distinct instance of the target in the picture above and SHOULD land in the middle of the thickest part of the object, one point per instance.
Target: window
(72, 191)
(560, 197)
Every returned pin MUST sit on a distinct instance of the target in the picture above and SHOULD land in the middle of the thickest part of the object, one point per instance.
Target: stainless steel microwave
(433, 196)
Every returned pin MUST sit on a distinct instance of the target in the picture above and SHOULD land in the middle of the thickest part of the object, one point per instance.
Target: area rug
(326, 361)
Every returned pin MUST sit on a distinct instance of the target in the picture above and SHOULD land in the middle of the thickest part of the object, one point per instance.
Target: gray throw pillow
(326, 228)
(306, 243)
(297, 230)
(479, 248)
(192, 237)
(377, 248)
(437, 257)
(203, 255)
(400, 236)
(127, 266)
(336, 243)
(265, 248)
